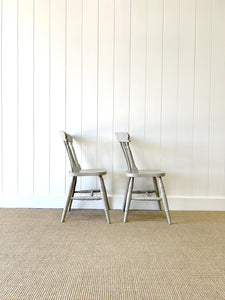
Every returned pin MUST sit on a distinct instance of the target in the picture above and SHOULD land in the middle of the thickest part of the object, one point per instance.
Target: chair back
(68, 142)
(124, 140)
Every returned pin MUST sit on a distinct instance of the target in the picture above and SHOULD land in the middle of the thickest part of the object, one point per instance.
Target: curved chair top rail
(123, 137)
(124, 140)
(65, 136)
(68, 142)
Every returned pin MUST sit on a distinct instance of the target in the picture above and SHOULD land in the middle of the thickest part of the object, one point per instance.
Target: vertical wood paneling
(41, 97)
(57, 94)
(105, 88)
(89, 85)
(217, 109)
(183, 182)
(25, 97)
(9, 96)
(94, 67)
(121, 87)
(153, 83)
(202, 97)
(169, 90)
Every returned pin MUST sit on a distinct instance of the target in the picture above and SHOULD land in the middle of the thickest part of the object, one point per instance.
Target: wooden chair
(75, 172)
(158, 190)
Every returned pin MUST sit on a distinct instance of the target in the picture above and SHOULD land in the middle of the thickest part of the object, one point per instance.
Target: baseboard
(32, 201)
(116, 202)
(197, 203)
(178, 203)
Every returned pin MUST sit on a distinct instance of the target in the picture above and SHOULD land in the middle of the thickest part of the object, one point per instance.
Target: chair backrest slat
(124, 140)
(68, 142)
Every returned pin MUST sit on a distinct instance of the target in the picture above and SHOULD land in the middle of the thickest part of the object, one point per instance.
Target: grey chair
(76, 172)
(157, 193)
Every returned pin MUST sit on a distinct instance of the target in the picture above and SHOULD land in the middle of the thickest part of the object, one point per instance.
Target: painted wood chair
(157, 193)
(76, 171)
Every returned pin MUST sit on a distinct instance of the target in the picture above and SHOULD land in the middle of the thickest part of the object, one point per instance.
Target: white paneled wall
(92, 67)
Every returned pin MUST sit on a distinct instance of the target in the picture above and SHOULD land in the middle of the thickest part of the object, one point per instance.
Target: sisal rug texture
(85, 258)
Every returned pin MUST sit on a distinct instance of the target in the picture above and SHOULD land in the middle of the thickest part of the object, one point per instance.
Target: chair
(75, 172)
(133, 172)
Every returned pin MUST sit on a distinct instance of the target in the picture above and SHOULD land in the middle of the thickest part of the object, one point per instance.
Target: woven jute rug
(85, 258)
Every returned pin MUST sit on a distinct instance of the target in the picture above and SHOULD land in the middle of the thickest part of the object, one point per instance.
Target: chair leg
(68, 199)
(129, 196)
(164, 198)
(104, 198)
(125, 198)
(105, 193)
(156, 191)
(71, 200)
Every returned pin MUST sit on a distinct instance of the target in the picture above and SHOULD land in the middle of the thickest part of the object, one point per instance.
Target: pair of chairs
(156, 193)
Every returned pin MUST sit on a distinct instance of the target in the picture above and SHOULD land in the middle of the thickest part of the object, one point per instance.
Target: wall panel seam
(1, 133)
(193, 108)
(162, 70)
(97, 90)
(49, 103)
(210, 98)
(113, 91)
(129, 85)
(178, 83)
(66, 62)
(82, 79)
(146, 72)
(33, 92)
(17, 96)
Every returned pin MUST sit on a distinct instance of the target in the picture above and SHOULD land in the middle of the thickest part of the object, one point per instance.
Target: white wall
(92, 67)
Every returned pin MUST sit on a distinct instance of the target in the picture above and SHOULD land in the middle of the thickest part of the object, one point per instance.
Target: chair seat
(89, 172)
(145, 173)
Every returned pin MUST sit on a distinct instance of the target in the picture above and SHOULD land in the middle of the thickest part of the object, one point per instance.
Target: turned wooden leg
(164, 198)
(68, 199)
(71, 200)
(104, 198)
(125, 197)
(129, 196)
(155, 185)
